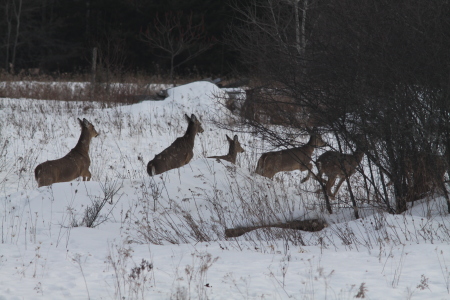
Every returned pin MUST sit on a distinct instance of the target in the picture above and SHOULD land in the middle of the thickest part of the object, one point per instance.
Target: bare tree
(13, 12)
(111, 57)
(177, 35)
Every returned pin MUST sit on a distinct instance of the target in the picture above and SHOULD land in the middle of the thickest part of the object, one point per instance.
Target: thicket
(373, 73)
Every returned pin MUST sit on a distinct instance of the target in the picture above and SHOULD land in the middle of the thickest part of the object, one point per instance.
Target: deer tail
(151, 169)
(260, 166)
(37, 171)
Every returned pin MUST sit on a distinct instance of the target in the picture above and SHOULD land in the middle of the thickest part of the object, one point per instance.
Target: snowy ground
(163, 237)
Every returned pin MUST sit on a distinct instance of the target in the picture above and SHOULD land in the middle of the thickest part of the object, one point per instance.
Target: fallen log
(311, 225)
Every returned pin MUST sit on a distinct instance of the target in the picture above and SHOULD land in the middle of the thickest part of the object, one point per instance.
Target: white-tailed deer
(335, 164)
(234, 149)
(179, 153)
(75, 164)
(425, 172)
(298, 158)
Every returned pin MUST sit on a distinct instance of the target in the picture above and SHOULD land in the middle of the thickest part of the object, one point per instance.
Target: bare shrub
(196, 277)
(362, 291)
(92, 217)
(129, 284)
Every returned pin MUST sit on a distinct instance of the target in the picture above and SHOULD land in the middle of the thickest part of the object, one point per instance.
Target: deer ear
(193, 117)
(235, 138)
(80, 122)
(86, 122)
(187, 117)
(228, 138)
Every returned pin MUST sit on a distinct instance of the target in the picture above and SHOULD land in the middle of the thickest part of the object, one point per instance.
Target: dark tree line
(59, 35)
(374, 73)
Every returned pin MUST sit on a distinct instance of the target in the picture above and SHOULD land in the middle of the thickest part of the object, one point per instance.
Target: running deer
(75, 164)
(335, 164)
(179, 153)
(298, 158)
(234, 149)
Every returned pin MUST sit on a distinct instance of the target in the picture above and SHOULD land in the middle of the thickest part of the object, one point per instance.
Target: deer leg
(341, 180)
(320, 179)
(308, 167)
(86, 175)
(330, 183)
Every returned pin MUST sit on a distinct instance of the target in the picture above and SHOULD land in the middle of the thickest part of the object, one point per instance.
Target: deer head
(234, 148)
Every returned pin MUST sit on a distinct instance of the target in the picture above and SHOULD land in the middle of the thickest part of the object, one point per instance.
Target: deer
(75, 164)
(425, 172)
(336, 164)
(179, 153)
(233, 150)
(287, 160)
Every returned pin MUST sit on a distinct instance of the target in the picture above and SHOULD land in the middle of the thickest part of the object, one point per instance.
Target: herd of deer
(333, 164)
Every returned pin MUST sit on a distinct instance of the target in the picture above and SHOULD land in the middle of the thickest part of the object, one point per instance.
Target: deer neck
(83, 142)
(359, 155)
(190, 133)
(232, 153)
(307, 149)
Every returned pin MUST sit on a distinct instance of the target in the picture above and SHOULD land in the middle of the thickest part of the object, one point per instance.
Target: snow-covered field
(163, 237)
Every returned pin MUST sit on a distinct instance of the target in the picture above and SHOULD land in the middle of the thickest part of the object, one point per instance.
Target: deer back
(179, 153)
(334, 163)
(298, 158)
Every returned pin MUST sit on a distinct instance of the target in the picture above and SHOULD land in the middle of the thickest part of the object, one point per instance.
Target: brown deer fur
(179, 153)
(335, 164)
(425, 173)
(234, 149)
(298, 158)
(75, 164)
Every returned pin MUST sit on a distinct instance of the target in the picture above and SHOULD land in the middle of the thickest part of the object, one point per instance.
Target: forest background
(58, 36)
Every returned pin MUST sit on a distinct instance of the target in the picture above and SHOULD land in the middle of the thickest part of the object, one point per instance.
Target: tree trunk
(305, 8)
(298, 42)
(94, 69)
(172, 79)
(17, 14)
(8, 16)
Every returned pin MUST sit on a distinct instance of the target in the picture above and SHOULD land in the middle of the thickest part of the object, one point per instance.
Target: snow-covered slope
(163, 237)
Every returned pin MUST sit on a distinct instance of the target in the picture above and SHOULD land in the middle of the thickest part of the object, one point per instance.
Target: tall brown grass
(125, 90)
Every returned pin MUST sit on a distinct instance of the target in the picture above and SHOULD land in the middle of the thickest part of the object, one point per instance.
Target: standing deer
(75, 164)
(335, 164)
(179, 153)
(425, 172)
(234, 149)
(298, 158)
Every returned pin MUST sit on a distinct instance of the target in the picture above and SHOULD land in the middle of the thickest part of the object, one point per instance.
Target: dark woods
(58, 36)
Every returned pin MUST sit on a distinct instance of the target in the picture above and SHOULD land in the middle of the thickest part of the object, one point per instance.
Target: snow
(163, 237)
